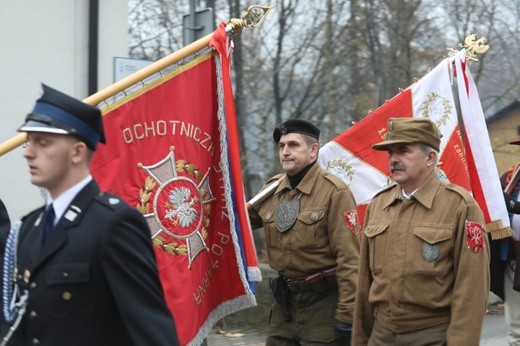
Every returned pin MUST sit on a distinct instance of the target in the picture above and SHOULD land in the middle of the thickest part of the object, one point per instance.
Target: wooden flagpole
(254, 16)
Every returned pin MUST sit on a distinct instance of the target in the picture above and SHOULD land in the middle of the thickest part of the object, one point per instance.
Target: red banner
(167, 154)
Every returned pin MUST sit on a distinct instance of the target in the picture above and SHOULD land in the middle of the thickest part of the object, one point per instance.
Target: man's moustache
(397, 167)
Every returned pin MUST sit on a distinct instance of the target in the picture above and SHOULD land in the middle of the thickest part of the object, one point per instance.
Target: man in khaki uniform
(312, 238)
(423, 274)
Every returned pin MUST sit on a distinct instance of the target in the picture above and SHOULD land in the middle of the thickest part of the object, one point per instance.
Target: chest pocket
(308, 233)
(311, 217)
(430, 249)
(68, 273)
(271, 234)
(377, 237)
(69, 289)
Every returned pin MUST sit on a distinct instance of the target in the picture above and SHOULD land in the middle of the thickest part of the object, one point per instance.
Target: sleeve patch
(475, 236)
(351, 220)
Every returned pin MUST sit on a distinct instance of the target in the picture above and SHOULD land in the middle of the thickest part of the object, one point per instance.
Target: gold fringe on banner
(497, 230)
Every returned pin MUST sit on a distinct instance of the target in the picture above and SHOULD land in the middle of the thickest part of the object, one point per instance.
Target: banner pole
(124, 83)
(254, 16)
(147, 71)
(13, 143)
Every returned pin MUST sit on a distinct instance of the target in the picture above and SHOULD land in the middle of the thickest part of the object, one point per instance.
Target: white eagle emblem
(182, 207)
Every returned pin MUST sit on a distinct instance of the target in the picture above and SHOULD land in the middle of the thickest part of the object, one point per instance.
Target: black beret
(56, 112)
(294, 125)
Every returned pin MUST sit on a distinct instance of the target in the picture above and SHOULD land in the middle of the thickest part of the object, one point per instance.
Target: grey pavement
(493, 333)
(249, 326)
(233, 336)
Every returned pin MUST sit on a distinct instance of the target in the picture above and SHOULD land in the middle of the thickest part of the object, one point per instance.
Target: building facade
(69, 45)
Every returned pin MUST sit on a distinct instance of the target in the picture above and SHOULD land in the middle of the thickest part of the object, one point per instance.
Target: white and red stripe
(366, 171)
(484, 177)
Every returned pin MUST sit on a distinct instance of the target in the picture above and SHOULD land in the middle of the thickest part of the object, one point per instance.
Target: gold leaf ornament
(172, 248)
(187, 167)
(144, 195)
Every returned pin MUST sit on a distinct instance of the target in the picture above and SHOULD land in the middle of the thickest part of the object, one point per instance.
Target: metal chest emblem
(26, 276)
(430, 252)
(70, 215)
(315, 216)
(286, 214)
(114, 201)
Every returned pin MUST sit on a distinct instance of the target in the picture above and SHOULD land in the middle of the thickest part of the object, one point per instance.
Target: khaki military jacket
(423, 262)
(325, 234)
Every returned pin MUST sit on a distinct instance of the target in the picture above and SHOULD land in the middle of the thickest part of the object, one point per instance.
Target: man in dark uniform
(5, 225)
(85, 262)
(312, 238)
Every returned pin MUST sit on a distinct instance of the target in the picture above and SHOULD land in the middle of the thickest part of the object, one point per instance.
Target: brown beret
(294, 125)
(410, 130)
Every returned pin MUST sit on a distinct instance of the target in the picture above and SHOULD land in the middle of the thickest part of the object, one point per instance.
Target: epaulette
(272, 179)
(459, 190)
(388, 188)
(112, 201)
(334, 179)
(36, 211)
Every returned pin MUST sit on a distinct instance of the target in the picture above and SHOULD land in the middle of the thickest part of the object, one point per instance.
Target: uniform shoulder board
(334, 179)
(272, 179)
(32, 214)
(110, 200)
(31, 218)
(388, 188)
(459, 190)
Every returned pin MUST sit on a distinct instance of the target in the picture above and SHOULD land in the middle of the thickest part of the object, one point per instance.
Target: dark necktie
(48, 222)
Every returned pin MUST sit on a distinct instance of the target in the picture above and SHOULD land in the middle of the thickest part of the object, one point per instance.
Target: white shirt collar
(408, 196)
(61, 203)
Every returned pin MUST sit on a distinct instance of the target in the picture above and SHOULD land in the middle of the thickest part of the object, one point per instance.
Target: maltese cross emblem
(178, 205)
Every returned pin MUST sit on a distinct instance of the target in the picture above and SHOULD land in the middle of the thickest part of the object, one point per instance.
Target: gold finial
(253, 18)
(472, 46)
(255, 15)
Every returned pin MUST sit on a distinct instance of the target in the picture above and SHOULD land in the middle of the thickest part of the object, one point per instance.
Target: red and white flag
(168, 153)
(366, 171)
(484, 177)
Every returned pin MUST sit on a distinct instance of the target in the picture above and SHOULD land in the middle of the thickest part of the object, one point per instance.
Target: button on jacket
(416, 266)
(320, 239)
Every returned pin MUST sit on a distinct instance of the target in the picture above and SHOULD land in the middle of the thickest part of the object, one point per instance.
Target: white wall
(47, 41)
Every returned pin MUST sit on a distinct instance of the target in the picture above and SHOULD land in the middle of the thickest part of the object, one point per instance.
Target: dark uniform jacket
(95, 281)
(498, 264)
(5, 224)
